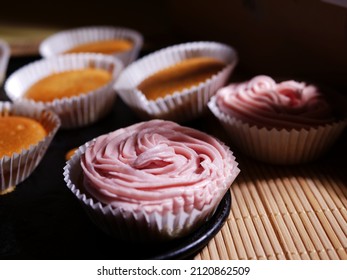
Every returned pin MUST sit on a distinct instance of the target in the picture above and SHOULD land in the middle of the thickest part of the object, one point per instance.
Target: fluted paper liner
(139, 226)
(16, 168)
(4, 58)
(183, 105)
(60, 42)
(282, 146)
(74, 111)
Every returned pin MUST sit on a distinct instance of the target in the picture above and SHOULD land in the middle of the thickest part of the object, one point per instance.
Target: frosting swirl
(157, 166)
(263, 102)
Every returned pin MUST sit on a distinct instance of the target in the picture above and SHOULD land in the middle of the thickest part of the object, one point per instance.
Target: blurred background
(288, 38)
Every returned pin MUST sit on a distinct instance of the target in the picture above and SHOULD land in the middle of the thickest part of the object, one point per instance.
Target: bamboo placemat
(284, 213)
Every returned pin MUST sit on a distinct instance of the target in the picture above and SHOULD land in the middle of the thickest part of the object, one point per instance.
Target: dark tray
(42, 219)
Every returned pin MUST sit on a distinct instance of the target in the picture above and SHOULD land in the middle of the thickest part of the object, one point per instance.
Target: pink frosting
(263, 102)
(157, 166)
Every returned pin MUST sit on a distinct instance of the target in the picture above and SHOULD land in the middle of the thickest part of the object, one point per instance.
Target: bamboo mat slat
(284, 213)
(332, 220)
(301, 224)
(337, 196)
(228, 243)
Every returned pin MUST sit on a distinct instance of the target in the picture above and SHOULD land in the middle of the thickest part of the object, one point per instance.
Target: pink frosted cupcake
(283, 123)
(154, 180)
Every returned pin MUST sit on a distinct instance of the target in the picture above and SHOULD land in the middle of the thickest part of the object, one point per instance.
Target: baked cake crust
(104, 47)
(19, 133)
(68, 84)
(183, 75)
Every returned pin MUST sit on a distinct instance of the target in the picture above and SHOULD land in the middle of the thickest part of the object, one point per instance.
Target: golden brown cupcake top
(18, 133)
(183, 75)
(70, 153)
(104, 47)
(68, 84)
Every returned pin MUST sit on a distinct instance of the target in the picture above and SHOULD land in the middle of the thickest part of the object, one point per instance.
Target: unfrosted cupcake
(151, 181)
(26, 131)
(284, 123)
(175, 83)
(78, 87)
(123, 43)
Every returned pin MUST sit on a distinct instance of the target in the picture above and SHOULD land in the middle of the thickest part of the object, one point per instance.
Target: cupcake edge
(4, 58)
(16, 168)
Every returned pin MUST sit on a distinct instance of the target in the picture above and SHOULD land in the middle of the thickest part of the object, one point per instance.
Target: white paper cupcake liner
(19, 166)
(4, 58)
(279, 146)
(139, 226)
(62, 41)
(180, 106)
(75, 111)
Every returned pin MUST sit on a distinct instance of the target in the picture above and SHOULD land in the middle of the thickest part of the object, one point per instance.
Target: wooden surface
(296, 212)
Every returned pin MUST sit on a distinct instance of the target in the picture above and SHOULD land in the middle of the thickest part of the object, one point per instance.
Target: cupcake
(176, 83)
(123, 43)
(4, 57)
(151, 181)
(26, 131)
(70, 153)
(78, 87)
(288, 122)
